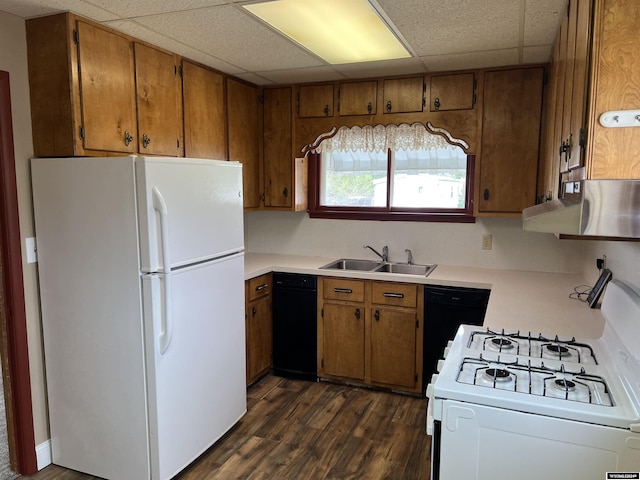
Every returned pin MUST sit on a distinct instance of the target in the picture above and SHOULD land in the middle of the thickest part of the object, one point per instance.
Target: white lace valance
(381, 138)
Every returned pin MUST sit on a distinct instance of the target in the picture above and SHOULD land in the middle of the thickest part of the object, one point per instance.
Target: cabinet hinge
(322, 312)
(181, 71)
(417, 323)
(583, 137)
(322, 363)
(81, 132)
(75, 37)
(475, 99)
(178, 143)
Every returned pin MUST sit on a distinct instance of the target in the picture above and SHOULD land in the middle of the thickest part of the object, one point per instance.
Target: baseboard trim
(43, 454)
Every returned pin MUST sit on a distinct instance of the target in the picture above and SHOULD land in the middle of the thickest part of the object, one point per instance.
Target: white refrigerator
(142, 293)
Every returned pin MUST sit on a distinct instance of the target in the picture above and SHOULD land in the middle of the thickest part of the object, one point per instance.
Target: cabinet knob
(326, 110)
(369, 107)
(389, 106)
(436, 103)
(485, 194)
(285, 192)
(377, 315)
(145, 141)
(253, 311)
(127, 138)
(357, 313)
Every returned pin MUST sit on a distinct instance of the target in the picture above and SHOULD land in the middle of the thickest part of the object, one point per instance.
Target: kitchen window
(402, 172)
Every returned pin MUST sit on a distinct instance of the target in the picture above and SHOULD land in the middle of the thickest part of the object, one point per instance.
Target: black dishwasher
(295, 330)
(445, 309)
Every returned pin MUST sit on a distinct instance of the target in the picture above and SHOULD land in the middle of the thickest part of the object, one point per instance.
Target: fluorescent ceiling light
(338, 31)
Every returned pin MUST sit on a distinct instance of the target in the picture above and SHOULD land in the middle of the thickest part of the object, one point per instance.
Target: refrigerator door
(197, 386)
(201, 197)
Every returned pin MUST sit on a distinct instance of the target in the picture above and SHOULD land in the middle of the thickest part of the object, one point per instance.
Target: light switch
(30, 247)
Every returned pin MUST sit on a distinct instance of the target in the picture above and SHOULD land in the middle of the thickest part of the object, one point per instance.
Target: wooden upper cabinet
(615, 83)
(510, 138)
(403, 95)
(205, 115)
(358, 98)
(159, 96)
(452, 92)
(82, 87)
(277, 137)
(315, 101)
(242, 107)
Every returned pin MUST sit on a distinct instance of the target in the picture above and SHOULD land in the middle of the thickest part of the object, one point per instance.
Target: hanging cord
(581, 292)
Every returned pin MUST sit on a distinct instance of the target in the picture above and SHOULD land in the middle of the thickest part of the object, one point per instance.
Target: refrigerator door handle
(160, 206)
(166, 324)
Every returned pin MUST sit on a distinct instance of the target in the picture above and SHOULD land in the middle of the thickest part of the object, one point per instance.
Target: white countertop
(535, 302)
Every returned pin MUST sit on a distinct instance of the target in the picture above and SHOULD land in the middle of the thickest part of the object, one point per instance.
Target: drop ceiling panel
(404, 66)
(37, 8)
(131, 27)
(455, 26)
(224, 31)
(303, 75)
(537, 54)
(542, 21)
(137, 8)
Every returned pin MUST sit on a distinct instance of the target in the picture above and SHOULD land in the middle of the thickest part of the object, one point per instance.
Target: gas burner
(502, 343)
(559, 350)
(565, 385)
(498, 374)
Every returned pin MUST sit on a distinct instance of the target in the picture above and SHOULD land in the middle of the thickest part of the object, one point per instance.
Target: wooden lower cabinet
(343, 341)
(370, 332)
(259, 327)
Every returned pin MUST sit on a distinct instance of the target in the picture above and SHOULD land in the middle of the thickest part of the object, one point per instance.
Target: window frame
(316, 210)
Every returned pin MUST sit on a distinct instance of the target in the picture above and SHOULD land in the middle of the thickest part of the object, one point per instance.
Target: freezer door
(195, 344)
(190, 210)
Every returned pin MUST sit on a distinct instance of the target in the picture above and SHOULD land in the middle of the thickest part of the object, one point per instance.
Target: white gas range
(522, 405)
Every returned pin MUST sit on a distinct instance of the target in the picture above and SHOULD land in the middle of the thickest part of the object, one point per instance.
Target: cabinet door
(582, 11)
(315, 101)
(277, 147)
(343, 341)
(358, 98)
(107, 84)
(403, 95)
(452, 92)
(569, 25)
(205, 121)
(510, 138)
(260, 338)
(242, 105)
(158, 90)
(393, 347)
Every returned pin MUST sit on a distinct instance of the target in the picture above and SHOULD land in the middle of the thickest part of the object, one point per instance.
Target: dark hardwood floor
(305, 430)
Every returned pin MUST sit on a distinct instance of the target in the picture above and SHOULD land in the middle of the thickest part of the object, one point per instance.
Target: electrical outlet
(487, 241)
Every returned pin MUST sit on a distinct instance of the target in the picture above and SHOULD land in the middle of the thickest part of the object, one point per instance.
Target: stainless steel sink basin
(352, 264)
(379, 267)
(407, 269)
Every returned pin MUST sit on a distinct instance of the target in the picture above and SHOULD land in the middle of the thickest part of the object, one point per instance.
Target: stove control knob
(430, 391)
(439, 366)
(446, 352)
(449, 343)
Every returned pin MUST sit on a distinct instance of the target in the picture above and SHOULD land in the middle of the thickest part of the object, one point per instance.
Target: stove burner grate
(498, 374)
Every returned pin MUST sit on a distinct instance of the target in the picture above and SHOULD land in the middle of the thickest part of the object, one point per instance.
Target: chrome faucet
(409, 256)
(385, 252)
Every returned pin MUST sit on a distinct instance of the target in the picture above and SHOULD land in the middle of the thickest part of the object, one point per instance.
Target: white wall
(444, 243)
(623, 259)
(13, 59)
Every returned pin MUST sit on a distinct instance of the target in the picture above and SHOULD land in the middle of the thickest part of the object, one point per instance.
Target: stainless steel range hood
(609, 208)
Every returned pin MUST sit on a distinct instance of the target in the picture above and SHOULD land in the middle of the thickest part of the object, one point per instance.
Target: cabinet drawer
(343, 289)
(398, 294)
(259, 287)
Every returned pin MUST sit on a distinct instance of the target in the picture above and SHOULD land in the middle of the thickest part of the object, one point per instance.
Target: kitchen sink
(407, 269)
(379, 267)
(352, 264)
